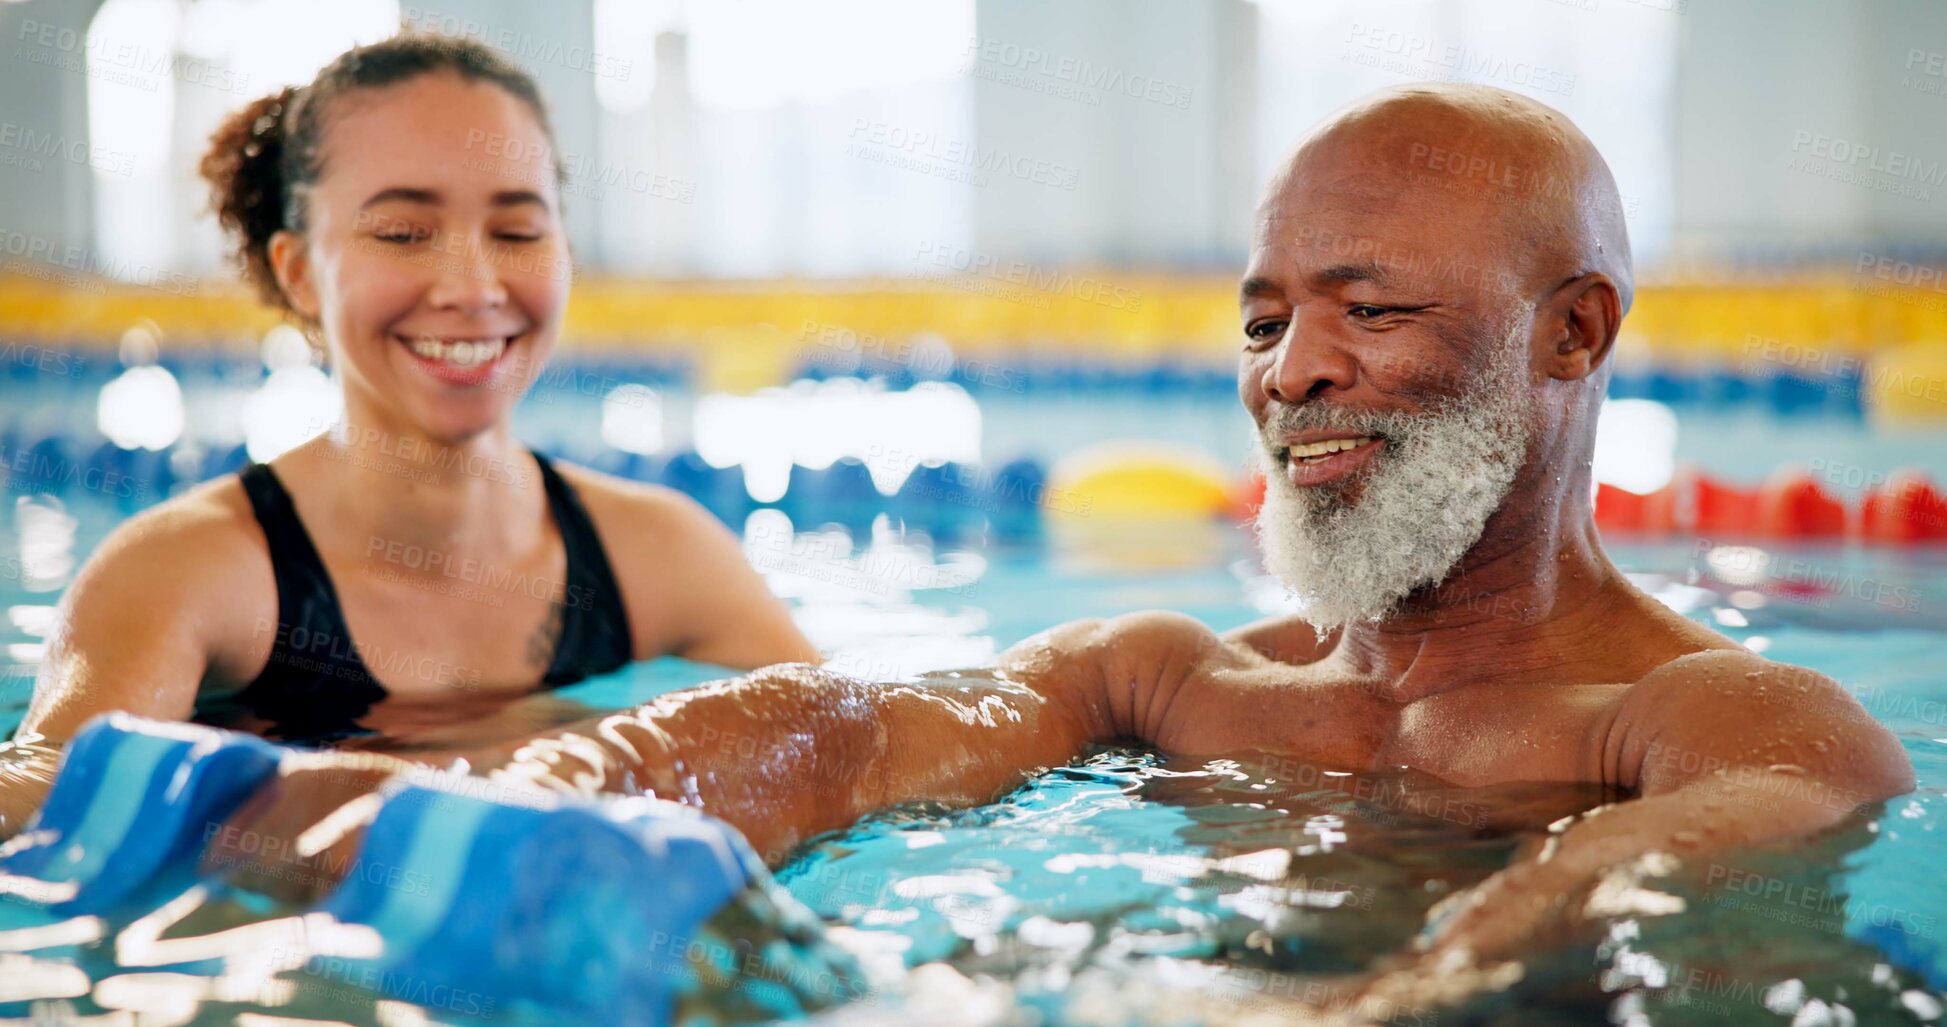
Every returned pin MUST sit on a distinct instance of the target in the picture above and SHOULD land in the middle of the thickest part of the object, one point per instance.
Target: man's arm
(792, 751)
(1725, 749)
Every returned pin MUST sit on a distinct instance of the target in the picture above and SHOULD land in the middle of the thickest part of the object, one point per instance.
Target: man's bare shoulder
(1149, 637)
(1281, 639)
(1724, 709)
(1120, 676)
(1722, 677)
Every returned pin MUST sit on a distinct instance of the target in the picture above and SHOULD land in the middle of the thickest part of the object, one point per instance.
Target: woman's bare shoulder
(688, 585)
(206, 537)
(174, 593)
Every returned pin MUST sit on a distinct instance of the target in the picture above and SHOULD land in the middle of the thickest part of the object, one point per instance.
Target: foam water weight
(130, 812)
(632, 910)
(623, 910)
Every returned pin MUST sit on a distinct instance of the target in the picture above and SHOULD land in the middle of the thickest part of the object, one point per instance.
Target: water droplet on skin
(1818, 745)
(1686, 839)
(1792, 769)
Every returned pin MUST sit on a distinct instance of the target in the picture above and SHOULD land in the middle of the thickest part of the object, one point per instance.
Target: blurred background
(937, 278)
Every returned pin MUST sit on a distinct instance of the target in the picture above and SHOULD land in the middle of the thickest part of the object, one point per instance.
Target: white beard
(1427, 495)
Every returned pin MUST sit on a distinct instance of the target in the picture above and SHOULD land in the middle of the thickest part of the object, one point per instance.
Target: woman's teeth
(1312, 452)
(461, 353)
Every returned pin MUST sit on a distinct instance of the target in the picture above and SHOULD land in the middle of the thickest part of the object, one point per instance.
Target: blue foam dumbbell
(130, 811)
(620, 909)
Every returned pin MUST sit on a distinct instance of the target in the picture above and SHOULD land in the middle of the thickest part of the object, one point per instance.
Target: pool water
(1137, 888)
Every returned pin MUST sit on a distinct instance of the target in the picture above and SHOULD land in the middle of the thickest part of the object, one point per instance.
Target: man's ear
(292, 266)
(1584, 316)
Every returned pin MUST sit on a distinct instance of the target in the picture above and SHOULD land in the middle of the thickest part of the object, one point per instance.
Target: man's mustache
(1284, 419)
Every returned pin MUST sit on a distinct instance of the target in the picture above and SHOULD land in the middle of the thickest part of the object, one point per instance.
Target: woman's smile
(464, 359)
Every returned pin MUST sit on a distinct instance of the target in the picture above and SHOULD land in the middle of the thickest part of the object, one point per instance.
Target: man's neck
(1524, 600)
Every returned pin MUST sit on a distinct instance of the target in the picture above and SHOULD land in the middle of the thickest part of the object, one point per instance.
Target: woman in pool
(415, 554)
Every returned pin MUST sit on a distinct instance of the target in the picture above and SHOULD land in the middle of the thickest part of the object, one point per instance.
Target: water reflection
(1135, 888)
(46, 533)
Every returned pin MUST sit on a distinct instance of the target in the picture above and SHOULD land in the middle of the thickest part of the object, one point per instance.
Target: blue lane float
(934, 498)
(622, 464)
(1019, 490)
(719, 489)
(47, 465)
(137, 477)
(1784, 394)
(222, 460)
(842, 493)
(936, 491)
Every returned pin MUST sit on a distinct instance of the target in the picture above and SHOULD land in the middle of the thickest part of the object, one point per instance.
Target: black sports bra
(317, 685)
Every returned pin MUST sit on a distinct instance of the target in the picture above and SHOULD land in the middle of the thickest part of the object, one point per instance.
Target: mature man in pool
(1436, 283)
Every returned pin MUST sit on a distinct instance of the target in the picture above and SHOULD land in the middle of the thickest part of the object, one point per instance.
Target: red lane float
(1789, 505)
(1715, 508)
(1246, 496)
(1792, 505)
(1620, 511)
(1905, 509)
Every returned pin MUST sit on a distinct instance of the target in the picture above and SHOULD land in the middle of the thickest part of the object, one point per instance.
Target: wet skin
(1378, 279)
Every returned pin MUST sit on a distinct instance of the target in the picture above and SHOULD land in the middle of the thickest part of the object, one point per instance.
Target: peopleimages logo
(1894, 163)
(1407, 53)
(67, 148)
(960, 153)
(44, 257)
(54, 474)
(41, 359)
(1035, 281)
(524, 46)
(130, 63)
(1028, 60)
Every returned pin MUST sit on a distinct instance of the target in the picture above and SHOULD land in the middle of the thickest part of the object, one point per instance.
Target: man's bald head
(1437, 279)
(1515, 174)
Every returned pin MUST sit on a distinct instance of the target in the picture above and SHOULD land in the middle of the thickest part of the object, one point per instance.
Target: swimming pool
(1135, 888)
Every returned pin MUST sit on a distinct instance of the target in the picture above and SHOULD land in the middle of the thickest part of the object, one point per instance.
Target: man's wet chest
(1478, 736)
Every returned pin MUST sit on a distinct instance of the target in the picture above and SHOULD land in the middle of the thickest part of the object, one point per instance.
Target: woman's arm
(170, 594)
